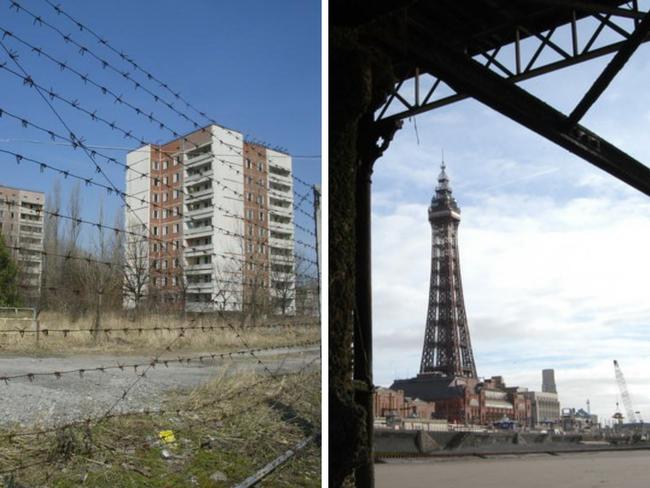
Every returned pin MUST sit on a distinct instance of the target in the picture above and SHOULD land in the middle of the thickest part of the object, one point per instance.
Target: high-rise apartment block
(211, 222)
(21, 224)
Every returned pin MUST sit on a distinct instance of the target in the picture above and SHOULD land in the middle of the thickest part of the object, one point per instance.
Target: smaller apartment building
(219, 214)
(21, 224)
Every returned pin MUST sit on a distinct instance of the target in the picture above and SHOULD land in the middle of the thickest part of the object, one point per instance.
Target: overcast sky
(554, 252)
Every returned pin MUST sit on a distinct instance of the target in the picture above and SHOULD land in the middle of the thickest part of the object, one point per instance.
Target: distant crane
(622, 385)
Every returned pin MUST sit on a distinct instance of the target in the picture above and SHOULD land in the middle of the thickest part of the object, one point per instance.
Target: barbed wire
(108, 413)
(111, 265)
(14, 436)
(86, 79)
(31, 83)
(148, 74)
(73, 137)
(160, 181)
(163, 242)
(140, 330)
(68, 39)
(82, 49)
(203, 358)
(90, 181)
(160, 412)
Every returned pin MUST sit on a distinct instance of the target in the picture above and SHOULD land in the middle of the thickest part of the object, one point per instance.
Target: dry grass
(232, 426)
(134, 340)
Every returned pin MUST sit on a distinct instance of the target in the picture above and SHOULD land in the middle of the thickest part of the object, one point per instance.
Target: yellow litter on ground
(167, 436)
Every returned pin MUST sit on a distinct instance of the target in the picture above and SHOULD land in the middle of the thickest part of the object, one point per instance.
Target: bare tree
(135, 272)
(101, 275)
(306, 289)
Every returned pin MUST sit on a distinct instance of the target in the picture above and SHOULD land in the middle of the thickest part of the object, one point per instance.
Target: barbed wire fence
(229, 312)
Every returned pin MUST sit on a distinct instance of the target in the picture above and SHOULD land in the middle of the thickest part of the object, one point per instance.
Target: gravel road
(47, 401)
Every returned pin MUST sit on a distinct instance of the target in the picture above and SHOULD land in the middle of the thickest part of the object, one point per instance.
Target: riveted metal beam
(467, 76)
(611, 70)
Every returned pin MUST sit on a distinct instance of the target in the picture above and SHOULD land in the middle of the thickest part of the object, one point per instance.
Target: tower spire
(447, 348)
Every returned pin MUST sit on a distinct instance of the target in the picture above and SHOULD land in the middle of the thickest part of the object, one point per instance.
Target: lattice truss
(604, 31)
(447, 348)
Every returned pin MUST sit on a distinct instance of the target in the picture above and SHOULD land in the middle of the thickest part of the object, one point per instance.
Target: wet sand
(622, 469)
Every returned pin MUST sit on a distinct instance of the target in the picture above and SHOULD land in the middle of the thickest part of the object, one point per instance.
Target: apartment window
(156, 166)
(165, 230)
(250, 229)
(176, 193)
(165, 179)
(176, 160)
(155, 282)
(177, 211)
(175, 228)
(155, 214)
(155, 247)
(249, 214)
(174, 281)
(165, 195)
(249, 197)
(155, 198)
(177, 177)
(259, 199)
(165, 164)
(261, 231)
(248, 163)
(164, 264)
(261, 216)
(250, 248)
(155, 230)
(260, 166)
(165, 281)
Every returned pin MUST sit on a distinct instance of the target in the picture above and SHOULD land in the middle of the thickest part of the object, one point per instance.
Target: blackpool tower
(447, 347)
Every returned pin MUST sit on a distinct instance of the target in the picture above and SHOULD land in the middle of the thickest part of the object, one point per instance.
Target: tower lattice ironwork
(447, 347)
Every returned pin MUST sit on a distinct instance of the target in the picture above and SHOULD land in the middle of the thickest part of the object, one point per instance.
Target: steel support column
(374, 139)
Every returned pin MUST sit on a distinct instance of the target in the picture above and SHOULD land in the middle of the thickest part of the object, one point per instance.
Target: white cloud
(555, 287)
(554, 252)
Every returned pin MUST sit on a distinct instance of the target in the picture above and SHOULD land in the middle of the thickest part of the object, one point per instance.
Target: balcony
(279, 171)
(31, 245)
(193, 195)
(34, 258)
(205, 230)
(280, 203)
(200, 287)
(201, 250)
(198, 268)
(281, 243)
(195, 178)
(31, 233)
(202, 212)
(288, 228)
(24, 211)
(195, 160)
(278, 186)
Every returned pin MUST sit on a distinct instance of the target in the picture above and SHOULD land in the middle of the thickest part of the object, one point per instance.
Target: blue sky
(252, 66)
(553, 251)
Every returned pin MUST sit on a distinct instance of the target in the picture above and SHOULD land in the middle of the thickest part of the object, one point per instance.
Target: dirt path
(49, 400)
(585, 470)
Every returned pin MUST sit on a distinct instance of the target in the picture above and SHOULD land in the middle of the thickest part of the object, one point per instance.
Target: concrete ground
(583, 470)
(47, 401)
